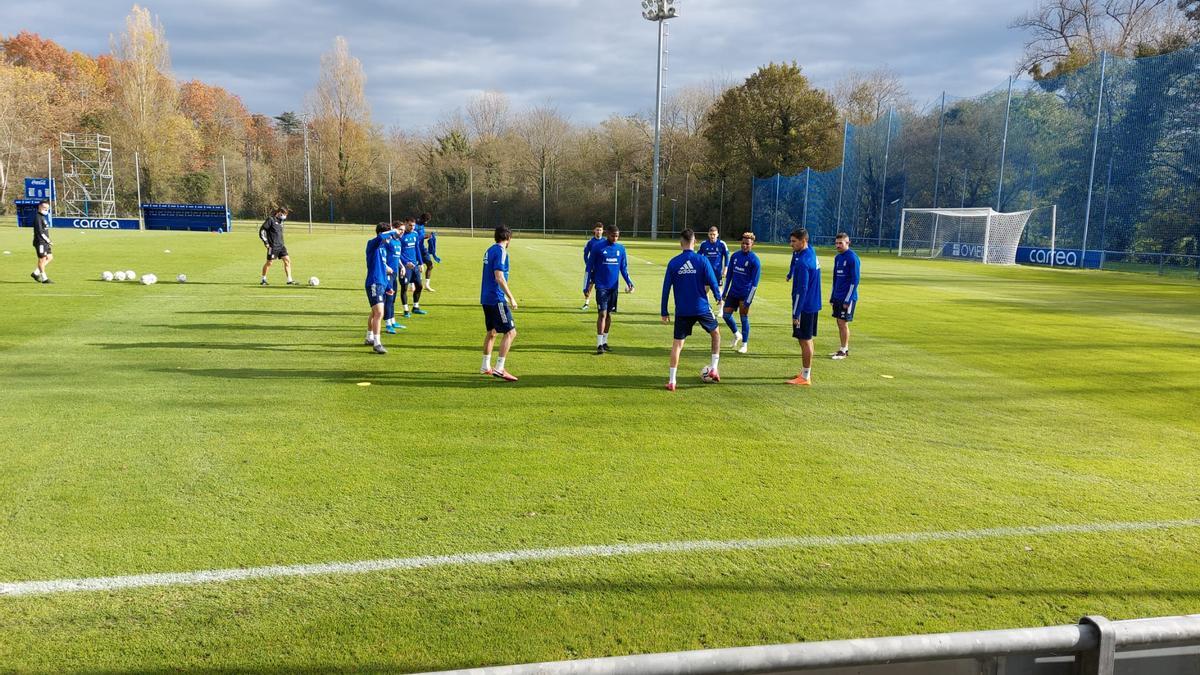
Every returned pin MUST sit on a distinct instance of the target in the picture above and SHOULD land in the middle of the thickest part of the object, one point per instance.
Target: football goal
(970, 234)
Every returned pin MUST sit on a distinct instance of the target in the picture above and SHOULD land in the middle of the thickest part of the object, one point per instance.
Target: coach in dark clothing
(271, 234)
(41, 242)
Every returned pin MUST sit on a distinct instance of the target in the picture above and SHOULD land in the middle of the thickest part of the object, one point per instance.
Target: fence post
(1004, 144)
(775, 215)
(1087, 214)
(1102, 659)
(616, 192)
(887, 151)
(937, 167)
(1054, 233)
(842, 172)
(137, 173)
(807, 181)
(752, 200)
(471, 196)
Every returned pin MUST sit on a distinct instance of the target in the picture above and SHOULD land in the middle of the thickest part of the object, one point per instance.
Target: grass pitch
(218, 424)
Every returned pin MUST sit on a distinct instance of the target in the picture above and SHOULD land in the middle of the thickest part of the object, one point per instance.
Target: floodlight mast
(658, 11)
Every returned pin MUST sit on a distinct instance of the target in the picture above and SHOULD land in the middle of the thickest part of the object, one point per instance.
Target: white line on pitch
(55, 586)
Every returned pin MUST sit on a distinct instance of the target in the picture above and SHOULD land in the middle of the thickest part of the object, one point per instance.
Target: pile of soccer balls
(118, 276)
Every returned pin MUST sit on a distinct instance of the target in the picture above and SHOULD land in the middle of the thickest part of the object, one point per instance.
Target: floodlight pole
(616, 194)
(841, 173)
(658, 11)
(137, 174)
(1087, 215)
(887, 151)
(225, 184)
(389, 193)
(937, 171)
(471, 195)
(308, 176)
(1004, 144)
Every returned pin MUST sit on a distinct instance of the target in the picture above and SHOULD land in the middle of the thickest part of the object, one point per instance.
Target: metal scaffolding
(87, 176)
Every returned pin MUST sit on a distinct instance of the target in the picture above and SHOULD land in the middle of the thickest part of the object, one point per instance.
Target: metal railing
(1095, 646)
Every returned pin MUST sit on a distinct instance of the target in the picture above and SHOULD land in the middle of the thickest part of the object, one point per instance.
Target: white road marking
(55, 586)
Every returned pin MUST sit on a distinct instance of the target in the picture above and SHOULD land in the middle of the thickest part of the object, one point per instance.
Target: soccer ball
(313, 281)
(182, 278)
(130, 275)
(107, 276)
(148, 279)
(706, 374)
(119, 276)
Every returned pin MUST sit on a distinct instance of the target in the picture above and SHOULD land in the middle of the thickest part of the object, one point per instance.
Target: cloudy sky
(589, 58)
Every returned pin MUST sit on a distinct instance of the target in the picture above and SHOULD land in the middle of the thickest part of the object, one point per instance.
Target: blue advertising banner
(186, 217)
(1029, 255)
(27, 210)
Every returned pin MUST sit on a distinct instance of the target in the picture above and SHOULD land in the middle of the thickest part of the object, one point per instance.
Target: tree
(25, 97)
(146, 115)
(1067, 34)
(342, 116)
(775, 122)
(488, 115)
(864, 97)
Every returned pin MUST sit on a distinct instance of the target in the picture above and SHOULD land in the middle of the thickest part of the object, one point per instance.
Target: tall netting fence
(1114, 146)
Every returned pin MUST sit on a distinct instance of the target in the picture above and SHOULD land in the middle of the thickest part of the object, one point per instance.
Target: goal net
(970, 234)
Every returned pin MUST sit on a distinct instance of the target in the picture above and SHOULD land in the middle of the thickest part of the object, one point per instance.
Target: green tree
(774, 122)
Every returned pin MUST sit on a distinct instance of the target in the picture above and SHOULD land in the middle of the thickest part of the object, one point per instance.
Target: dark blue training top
(745, 271)
(717, 254)
(805, 274)
(689, 274)
(495, 259)
(608, 263)
(377, 260)
(845, 277)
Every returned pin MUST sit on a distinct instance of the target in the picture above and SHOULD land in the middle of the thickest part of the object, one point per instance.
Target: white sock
(605, 338)
(807, 373)
(372, 337)
(715, 359)
(672, 376)
(500, 364)
(846, 348)
(599, 340)
(487, 362)
(264, 277)
(289, 278)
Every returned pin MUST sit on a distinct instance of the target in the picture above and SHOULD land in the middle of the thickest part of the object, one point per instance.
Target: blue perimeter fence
(1115, 145)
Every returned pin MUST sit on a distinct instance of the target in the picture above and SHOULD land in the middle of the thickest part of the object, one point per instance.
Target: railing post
(1102, 659)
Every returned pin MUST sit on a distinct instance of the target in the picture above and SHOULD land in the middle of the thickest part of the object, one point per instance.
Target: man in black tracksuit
(271, 234)
(41, 242)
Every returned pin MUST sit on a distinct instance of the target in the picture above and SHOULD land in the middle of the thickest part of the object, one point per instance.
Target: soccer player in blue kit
(745, 271)
(411, 259)
(378, 274)
(715, 252)
(690, 276)
(805, 275)
(596, 240)
(844, 296)
(498, 302)
(392, 248)
(608, 263)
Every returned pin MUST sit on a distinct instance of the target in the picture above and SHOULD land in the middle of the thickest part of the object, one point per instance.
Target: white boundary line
(50, 587)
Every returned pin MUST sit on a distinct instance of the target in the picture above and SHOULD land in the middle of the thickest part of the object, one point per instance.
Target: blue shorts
(807, 328)
(587, 283)
(846, 314)
(606, 299)
(499, 318)
(735, 301)
(412, 276)
(375, 294)
(684, 324)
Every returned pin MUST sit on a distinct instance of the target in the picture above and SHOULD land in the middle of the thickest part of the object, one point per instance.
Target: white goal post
(970, 234)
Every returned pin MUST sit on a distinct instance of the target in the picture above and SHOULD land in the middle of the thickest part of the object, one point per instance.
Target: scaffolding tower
(87, 176)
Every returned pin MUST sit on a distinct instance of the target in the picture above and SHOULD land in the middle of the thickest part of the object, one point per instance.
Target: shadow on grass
(271, 312)
(247, 326)
(466, 380)
(232, 346)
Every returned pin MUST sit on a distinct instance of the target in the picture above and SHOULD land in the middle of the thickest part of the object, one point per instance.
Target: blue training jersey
(410, 251)
(377, 260)
(745, 271)
(496, 259)
(717, 254)
(432, 246)
(845, 277)
(393, 247)
(806, 282)
(419, 230)
(689, 274)
(592, 245)
(607, 265)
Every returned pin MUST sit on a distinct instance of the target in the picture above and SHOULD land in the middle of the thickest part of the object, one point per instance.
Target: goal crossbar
(970, 233)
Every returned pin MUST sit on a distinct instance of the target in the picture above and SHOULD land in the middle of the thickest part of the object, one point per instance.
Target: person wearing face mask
(41, 242)
(271, 234)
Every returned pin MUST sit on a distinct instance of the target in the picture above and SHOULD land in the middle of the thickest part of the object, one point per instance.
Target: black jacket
(271, 232)
(41, 229)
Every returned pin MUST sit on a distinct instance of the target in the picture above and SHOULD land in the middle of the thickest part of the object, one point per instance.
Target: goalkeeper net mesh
(971, 234)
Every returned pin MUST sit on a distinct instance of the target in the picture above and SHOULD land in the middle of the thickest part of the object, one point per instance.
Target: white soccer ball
(313, 281)
(182, 278)
(148, 279)
(106, 276)
(119, 276)
(706, 374)
(130, 275)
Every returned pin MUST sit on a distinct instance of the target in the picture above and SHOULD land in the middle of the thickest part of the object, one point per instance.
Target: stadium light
(658, 11)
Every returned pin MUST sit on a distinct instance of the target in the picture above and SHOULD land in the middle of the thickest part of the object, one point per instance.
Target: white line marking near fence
(55, 586)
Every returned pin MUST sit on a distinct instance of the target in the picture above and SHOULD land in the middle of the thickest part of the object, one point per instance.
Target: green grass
(219, 424)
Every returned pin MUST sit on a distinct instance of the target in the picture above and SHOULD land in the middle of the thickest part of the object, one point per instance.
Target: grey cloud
(590, 58)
